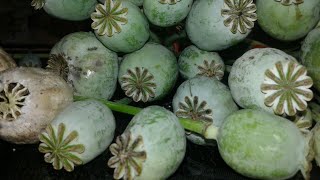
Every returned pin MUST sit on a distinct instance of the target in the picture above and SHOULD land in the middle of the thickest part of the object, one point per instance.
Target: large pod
(270, 80)
(152, 146)
(89, 67)
(77, 135)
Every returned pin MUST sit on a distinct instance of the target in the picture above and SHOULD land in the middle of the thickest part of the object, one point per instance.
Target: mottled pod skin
(164, 14)
(29, 100)
(73, 10)
(156, 74)
(211, 25)
(255, 82)
(311, 55)
(194, 61)
(287, 22)
(6, 61)
(124, 28)
(89, 67)
(86, 127)
(261, 145)
(203, 99)
(152, 146)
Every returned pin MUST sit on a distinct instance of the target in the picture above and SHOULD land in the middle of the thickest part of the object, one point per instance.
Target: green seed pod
(193, 61)
(89, 67)
(136, 2)
(288, 20)
(316, 131)
(165, 13)
(73, 10)
(77, 135)
(203, 99)
(149, 73)
(120, 25)
(152, 146)
(218, 24)
(261, 145)
(270, 80)
(311, 54)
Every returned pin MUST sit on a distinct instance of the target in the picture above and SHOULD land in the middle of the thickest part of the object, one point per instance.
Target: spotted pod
(152, 146)
(30, 98)
(165, 13)
(120, 25)
(194, 61)
(148, 74)
(77, 135)
(203, 99)
(218, 24)
(261, 145)
(73, 10)
(288, 20)
(89, 67)
(270, 80)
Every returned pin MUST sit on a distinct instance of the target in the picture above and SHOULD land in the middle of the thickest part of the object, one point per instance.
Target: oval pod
(77, 135)
(262, 145)
(152, 146)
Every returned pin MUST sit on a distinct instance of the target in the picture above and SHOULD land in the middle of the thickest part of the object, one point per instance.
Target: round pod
(270, 80)
(78, 134)
(152, 146)
(218, 24)
(149, 73)
(261, 145)
(89, 67)
(288, 20)
(194, 61)
(29, 100)
(165, 13)
(310, 55)
(73, 10)
(6, 61)
(120, 25)
(203, 99)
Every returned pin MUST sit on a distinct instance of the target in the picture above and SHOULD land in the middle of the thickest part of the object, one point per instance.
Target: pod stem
(203, 128)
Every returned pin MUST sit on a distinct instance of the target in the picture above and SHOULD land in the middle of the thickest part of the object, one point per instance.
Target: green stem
(200, 127)
(124, 100)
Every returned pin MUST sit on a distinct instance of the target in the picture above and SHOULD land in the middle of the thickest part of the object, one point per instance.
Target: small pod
(149, 73)
(77, 135)
(203, 99)
(89, 67)
(29, 100)
(73, 10)
(262, 145)
(120, 25)
(165, 13)
(152, 146)
(288, 20)
(270, 80)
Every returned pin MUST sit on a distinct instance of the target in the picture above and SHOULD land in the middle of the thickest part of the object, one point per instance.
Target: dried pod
(29, 100)
(6, 62)
(270, 80)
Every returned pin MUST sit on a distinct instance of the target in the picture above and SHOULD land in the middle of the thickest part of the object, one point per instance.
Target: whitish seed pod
(148, 74)
(120, 25)
(261, 145)
(270, 80)
(203, 99)
(29, 100)
(218, 24)
(165, 13)
(152, 146)
(194, 61)
(73, 10)
(6, 61)
(89, 67)
(288, 20)
(77, 135)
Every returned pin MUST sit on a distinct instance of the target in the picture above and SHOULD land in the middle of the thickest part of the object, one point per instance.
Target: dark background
(23, 29)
